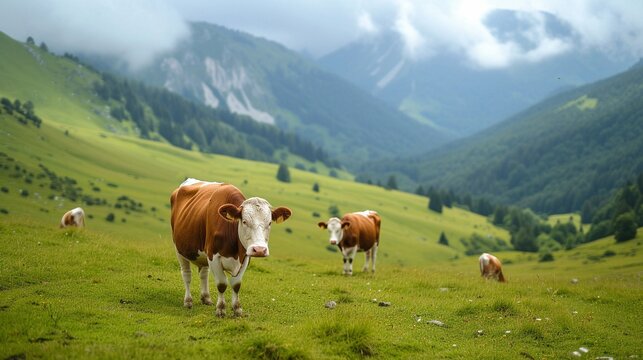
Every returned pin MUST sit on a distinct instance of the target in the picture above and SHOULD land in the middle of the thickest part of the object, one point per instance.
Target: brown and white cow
(358, 231)
(73, 217)
(216, 228)
(490, 267)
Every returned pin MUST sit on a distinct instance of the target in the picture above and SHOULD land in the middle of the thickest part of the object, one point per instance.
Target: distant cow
(73, 217)
(358, 231)
(215, 227)
(490, 267)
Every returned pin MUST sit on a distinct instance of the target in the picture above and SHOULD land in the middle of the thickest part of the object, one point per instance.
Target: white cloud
(138, 30)
(414, 41)
(135, 31)
(366, 24)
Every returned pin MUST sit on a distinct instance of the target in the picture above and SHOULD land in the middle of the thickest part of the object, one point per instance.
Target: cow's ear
(230, 212)
(281, 214)
(322, 225)
(345, 224)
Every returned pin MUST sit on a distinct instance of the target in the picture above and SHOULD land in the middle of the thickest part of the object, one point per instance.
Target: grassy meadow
(114, 290)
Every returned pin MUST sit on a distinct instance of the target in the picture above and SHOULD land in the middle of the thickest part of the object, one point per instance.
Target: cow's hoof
(206, 300)
(187, 303)
(220, 313)
(238, 312)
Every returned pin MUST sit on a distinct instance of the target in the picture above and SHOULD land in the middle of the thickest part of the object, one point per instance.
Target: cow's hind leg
(368, 256)
(374, 256)
(186, 272)
(205, 287)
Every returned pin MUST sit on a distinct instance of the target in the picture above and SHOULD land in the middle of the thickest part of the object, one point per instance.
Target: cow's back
(195, 215)
(364, 229)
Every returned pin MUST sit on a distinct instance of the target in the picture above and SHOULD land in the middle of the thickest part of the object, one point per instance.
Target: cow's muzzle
(258, 251)
(333, 242)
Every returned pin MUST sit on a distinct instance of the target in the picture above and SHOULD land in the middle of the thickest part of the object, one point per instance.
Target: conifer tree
(283, 174)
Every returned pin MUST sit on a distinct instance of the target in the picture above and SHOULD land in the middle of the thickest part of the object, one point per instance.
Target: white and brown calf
(358, 231)
(490, 267)
(73, 217)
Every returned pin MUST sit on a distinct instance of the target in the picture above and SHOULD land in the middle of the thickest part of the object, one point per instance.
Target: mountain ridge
(231, 69)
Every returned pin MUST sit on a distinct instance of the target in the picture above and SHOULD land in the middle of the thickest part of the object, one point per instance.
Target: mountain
(568, 152)
(30, 74)
(227, 69)
(457, 97)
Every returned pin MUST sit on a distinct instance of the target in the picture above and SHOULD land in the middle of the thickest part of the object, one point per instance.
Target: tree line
(26, 110)
(622, 215)
(186, 124)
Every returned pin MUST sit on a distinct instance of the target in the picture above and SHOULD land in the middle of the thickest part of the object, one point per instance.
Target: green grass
(69, 293)
(582, 103)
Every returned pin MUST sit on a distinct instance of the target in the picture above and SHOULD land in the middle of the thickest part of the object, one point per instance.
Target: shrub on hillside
(546, 257)
(625, 227)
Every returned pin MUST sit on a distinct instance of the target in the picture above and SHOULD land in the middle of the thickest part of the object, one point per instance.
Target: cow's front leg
(205, 287)
(349, 255)
(220, 279)
(186, 273)
(235, 282)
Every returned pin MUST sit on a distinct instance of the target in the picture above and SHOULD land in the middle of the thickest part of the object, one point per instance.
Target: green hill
(29, 73)
(572, 149)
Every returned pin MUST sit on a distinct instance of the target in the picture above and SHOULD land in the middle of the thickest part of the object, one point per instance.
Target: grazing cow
(490, 267)
(358, 231)
(73, 217)
(215, 227)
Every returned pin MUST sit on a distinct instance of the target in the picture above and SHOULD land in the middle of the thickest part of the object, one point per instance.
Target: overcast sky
(138, 30)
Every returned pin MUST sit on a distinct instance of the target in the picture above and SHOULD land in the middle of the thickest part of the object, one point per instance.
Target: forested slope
(568, 152)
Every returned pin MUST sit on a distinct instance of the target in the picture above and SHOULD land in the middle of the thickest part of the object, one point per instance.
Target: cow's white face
(255, 219)
(335, 229)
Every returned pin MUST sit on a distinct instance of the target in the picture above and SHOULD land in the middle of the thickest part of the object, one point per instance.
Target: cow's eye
(270, 223)
(244, 222)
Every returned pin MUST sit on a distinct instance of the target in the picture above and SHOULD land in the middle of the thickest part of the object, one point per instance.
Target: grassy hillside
(572, 149)
(27, 73)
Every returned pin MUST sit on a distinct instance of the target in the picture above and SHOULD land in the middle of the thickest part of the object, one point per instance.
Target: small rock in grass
(443, 289)
(384, 303)
(436, 322)
(574, 281)
(480, 332)
(583, 349)
(604, 358)
(576, 353)
(331, 304)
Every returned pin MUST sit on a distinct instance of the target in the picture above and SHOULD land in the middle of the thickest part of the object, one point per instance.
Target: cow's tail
(378, 221)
